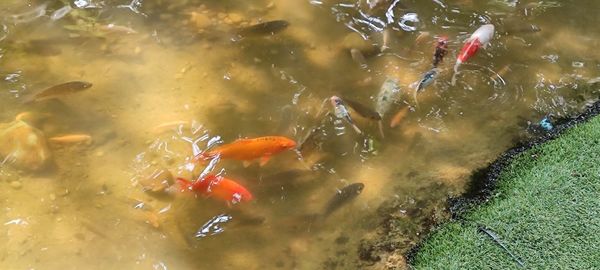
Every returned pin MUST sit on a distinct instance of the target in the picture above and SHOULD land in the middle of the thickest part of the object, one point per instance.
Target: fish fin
(184, 184)
(415, 97)
(356, 129)
(263, 160)
(246, 163)
(380, 124)
(201, 158)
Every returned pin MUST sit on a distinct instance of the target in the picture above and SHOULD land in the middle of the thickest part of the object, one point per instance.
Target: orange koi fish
(250, 149)
(218, 187)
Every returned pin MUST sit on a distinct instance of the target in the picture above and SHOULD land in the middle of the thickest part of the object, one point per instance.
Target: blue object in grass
(546, 124)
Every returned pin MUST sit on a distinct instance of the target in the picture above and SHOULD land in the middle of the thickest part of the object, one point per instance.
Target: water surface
(170, 76)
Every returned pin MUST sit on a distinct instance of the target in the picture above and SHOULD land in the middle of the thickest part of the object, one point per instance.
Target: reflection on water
(90, 177)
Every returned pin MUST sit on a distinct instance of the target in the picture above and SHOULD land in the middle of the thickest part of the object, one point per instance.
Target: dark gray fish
(362, 110)
(262, 29)
(343, 196)
(58, 90)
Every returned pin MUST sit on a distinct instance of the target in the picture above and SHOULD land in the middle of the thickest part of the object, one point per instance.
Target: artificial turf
(545, 210)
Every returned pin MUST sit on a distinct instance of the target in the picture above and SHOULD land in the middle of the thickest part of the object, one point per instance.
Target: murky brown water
(170, 76)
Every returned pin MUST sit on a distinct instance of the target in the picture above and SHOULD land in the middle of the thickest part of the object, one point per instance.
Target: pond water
(171, 79)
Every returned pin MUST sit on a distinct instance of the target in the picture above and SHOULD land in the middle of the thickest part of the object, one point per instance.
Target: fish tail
(356, 128)
(415, 97)
(455, 72)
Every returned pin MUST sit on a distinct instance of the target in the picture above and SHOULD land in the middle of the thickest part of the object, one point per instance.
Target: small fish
(114, 28)
(218, 187)
(362, 110)
(265, 28)
(359, 58)
(427, 79)
(480, 38)
(342, 112)
(343, 196)
(72, 138)
(60, 13)
(441, 49)
(57, 91)
(398, 117)
(250, 149)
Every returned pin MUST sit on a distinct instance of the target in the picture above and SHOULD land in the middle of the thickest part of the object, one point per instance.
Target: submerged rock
(23, 145)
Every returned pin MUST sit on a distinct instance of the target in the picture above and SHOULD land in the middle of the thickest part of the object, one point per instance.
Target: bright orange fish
(217, 186)
(250, 149)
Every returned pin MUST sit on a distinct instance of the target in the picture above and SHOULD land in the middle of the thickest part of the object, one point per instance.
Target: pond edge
(483, 181)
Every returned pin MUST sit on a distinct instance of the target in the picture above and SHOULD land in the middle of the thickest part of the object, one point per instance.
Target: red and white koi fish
(480, 38)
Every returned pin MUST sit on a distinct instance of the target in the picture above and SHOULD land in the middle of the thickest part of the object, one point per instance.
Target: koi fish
(427, 79)
(249, 149)
(218, 187)
(73, 138)
(362, 110)
(57, 91)
(480, 38)
(388, 94)
(342, 112)
(264, 29)
(441, 49)
(398, 117)
(343, 196)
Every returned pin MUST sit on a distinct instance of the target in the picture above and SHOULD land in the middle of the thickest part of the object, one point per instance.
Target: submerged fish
(72, 138)
(398, 117)
(388, 94)
(265, 28)
(342, 112)
(57, 91)
(218, 187)
(250, 149)
(343, 196)
(441, 49)
(362, 110)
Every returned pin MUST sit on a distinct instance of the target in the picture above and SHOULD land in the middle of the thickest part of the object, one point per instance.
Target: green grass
(546, 210)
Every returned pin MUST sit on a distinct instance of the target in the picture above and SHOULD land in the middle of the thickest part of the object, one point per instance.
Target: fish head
(286, 143)
(335, 101)
(84, 85)
(241, 195)
(442, 42)
(359, 187)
